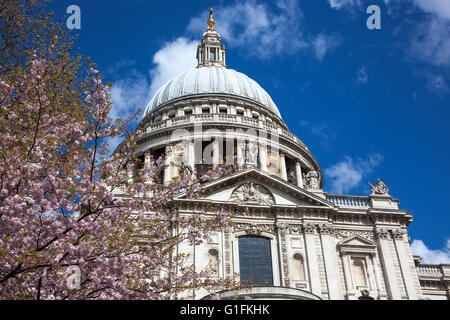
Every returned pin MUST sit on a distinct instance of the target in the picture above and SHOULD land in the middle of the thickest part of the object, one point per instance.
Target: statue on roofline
(379, 188)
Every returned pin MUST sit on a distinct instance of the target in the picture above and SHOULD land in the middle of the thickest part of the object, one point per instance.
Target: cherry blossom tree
(67, 206)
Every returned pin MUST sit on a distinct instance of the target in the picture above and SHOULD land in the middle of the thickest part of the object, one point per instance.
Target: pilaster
(383, 238)
(329, 255)
(309, 230)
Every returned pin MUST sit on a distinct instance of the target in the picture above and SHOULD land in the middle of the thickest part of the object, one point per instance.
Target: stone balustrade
(224, 118)
(430, 270)
(349, 201)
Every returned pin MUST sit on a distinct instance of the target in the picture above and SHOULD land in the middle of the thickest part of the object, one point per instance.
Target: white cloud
(133, 89)
(324, 43)
(347, 174)
(361, 75)
(439, 7)
(351, 4)
(431, 42)
(263, 31)
(172, 59)
(339, 4)
(430, 256)
(129, 94)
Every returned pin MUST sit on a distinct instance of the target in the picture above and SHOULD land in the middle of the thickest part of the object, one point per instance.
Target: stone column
(298, 174)
(240, 152)
(262, 156)
(404, 266)
(283, 166)
(346, 263)
(216, 152)
(311, 257)
(375, 274)
(191, 154)
(383, 239)
(331, 269)
(252, 153)
(167, 170)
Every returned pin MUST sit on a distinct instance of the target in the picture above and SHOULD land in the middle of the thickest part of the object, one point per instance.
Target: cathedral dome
(217, 80)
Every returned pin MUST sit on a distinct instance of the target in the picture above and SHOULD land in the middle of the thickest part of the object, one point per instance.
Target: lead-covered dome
(206, 80)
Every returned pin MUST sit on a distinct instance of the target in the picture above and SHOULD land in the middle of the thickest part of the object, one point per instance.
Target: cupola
(211, 52)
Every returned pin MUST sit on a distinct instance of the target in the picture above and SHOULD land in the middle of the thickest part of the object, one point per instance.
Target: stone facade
(322, 246)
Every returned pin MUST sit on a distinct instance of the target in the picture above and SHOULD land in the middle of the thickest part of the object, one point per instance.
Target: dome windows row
(212, 109)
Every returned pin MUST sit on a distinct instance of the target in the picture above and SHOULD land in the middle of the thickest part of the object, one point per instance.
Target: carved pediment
(357, 244)
(252, 193)
(256, 187)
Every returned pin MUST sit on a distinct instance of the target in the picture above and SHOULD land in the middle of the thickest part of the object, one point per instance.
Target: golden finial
(211, 21)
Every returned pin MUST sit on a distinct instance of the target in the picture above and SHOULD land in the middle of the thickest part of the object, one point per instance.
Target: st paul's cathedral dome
(301, 242)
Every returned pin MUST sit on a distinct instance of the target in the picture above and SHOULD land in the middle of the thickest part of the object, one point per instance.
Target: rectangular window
(255, 260)
(359, 272)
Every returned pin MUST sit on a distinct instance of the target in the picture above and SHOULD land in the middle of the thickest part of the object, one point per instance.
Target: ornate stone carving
(379, 188)
(398, 234)
(252, 193)
(301, 285)
(241, 153)
(282, 227)
(325, 229)
(227, 252)
(382, 234)
(295, 228)
(346, 233)
(253, 228)
(179, 154)
(252, 153)
(312, 180)
(309, 228)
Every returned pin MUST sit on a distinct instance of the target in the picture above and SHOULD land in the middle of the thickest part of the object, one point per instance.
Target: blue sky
(368, 103)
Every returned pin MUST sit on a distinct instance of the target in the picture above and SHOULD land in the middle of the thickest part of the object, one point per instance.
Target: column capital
(309, 228)
(325, 229)
(382, 234)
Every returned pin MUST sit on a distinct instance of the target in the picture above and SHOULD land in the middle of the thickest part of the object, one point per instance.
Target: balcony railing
(224, 118)
(349, 201)
(429, 270)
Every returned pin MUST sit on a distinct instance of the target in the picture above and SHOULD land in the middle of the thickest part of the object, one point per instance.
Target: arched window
(213, 260)
(255, 260)
(298, 267)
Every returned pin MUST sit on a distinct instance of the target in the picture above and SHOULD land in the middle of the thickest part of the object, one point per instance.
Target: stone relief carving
(382, 234)
(379, 188)
(301, 285)
(253, 228)
(309, 228)
(325, 229)
(227, 252)
(179, 155)
(398, 234)
(312, 180)
(345, 234)
(252, 153)
(252, 193)
(282, 227)
(241, 154)
(295, 228)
